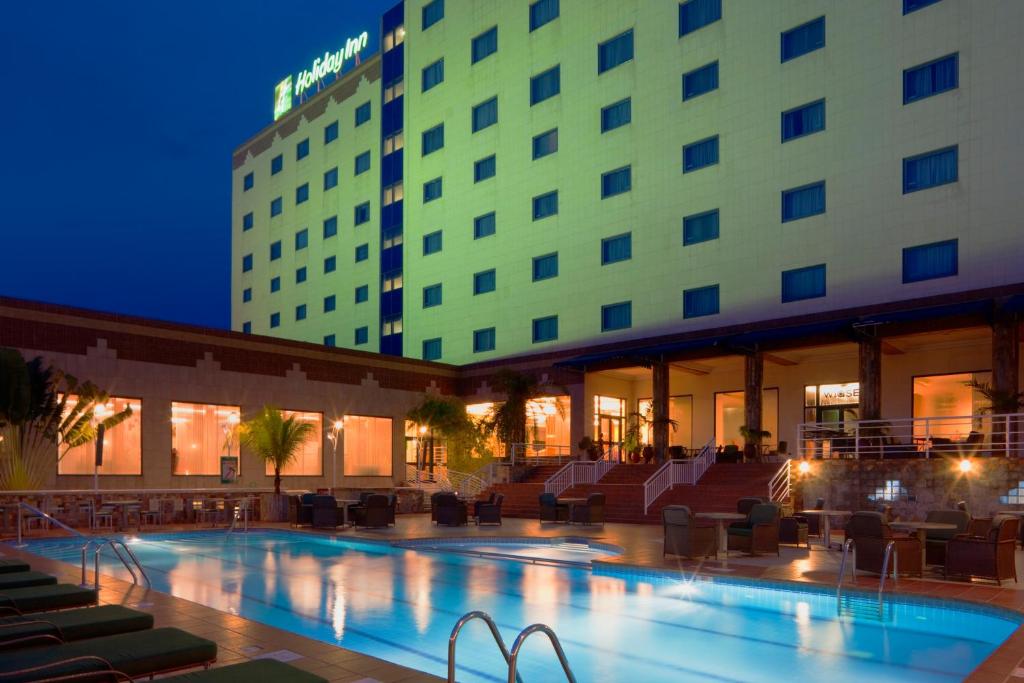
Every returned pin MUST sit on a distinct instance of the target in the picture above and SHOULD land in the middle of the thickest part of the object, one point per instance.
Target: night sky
(118, 123)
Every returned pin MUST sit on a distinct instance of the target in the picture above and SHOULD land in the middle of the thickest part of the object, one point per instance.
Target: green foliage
(1001, 402)
(507, 420)
(754, 436)
(446, 420)
(275, 438)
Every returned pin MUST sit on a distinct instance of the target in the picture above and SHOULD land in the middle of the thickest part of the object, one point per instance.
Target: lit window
(930, 79)
(201, 435)
(930, 261)
(545, 143)
(484, 282)
(331, 178)
(545, 205)
(700, 81)
(330, 227)
(701, 154)
(330, 303)
(614, 52)
(394, 89)
(362, 335)
(700, 301)
(122, 444)
(302, 149)
(542, 12)
(433, 74)
(391, 325)
(700, 227)
(432, 13)
(330, 264)
(276, 164)
(433, 139)
(362, 293)
(484, 169)
(330, 133)
(545, 85)
(545, 329)
(483, 340)
(485, 114)
(432, 243)
(801, 202)
(616, 115)
(392, 281)
(308, 459)
(247, 182)
(276, 206)
(432, 296)
(803, 39)
(302, 193)
(392, 193)
(697, 14)
(247, 221)
(616, 182)
(432, 190)
(930, 170)
(362, 113)
(300, 312)
(362, 252)
(393, 143)
(368, 446)
(617, 248)
(801, 121)
(362, 213)
(545, 267)
(391, 237)
(484, 226)
(485, 44)
(617, 316)
(803, 283)
(301, 239)
(432, 349)
(275, 250)
(362, 162)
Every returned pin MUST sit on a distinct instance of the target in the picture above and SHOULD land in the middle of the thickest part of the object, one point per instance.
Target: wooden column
(659, 409)
(869, 374)
(1006, 373)
(753, 396)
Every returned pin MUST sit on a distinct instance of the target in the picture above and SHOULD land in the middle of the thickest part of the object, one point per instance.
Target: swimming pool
(563, 551)
(400, 604)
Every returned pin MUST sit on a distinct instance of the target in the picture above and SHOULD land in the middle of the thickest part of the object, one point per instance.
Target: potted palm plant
(752, 439)
(1000, 403)
(276, 439)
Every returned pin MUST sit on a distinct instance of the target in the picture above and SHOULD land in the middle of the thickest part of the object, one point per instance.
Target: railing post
(19, 525)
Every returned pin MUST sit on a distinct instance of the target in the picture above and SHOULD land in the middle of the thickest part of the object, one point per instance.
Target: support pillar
(659, 409)
(1006, 375)
(753, 397)
(869, 374)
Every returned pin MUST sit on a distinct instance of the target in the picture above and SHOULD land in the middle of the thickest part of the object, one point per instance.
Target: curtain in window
(700, 228)
(803, 39)
(927, 171)
(544, 144)
(802, 121)
(698, 13)
(616, 182)
(617, 316)
(545, 85)
(122, 445)
(615, 115)
(433, 12)
(541, 12)
(930, 79)
(930, 261)
(545, 329)
(803, 283)
(805, 201)
(433, 74)
(433, 139)
(545, 267)
(545, 205)
(485, 114)
(368, 446)
(702, 301)
(485, 44)
(615, 52)
(483, 340)
(700, 154)
(617, 249)
(483, 169)
(484, 226)
(700, 81)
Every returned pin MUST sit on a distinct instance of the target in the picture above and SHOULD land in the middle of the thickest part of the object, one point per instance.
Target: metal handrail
(518, 644)
(466, 618)
(848, 545)
(100, 544)
(242, 508)
(890, 551)
(779, 486)
(675, 472)
(45, 515)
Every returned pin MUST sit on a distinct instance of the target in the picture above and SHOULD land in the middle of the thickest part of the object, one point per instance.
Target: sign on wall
(331, 63)
(839, 394)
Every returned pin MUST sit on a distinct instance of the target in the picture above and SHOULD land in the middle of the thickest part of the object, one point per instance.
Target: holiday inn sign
(330, 63)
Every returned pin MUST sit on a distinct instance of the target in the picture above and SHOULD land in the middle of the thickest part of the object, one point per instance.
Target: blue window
(545, 143)
(276, 206)
(432, 243)
(331, 178)
(545, 267)
(329, 340)
(700, 227)
(362, 252)
(615, 51)
(483, 340)
(484, 281)
(247, 221)
(300, 275)
(433, 12)
(432, 296)
(700, 154)
(617, 248)
(700, 81)
(301, 239)
(931, 78)
(616, 115)
(433, 139)
(361, 214)
(275, 319)
(301, 193)
(545, 85)
(276, 164)
(803, 39)
(300, 312)
(930, 170)
(330, 133)
(912, 5)
(485, 114)
(247, 182)
(801, 202)
(247, 263)
(432, 349)
(302, 149)
(362, 163)
(362, 335)
(545, 205)
(697, 14)
(930, 261)
(275, 250)
(247, 294)
(616, 182)
(330, 303)
(432, 190)
(362, 113)
(362, 293)
(617, 316)
(275, 284)
(484, 226)
(247, 328)
(330, 264)
(545, 329)
(484, 169)
(330, 227)
(810, 118)
(541, 12)
(433, 74)
(485, 44)
(700, 301)
(803, 283)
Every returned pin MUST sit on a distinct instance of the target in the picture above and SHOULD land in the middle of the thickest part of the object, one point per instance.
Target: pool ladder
(511, 657)
(128, 559)
(890, 552)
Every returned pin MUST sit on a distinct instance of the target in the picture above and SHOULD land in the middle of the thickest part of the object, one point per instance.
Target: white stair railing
(539, 454)
(678, 472)
(577, 472)
(779, 486)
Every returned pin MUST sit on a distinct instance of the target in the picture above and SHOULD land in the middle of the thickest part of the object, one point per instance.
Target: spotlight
(804, 467)
(966, 465)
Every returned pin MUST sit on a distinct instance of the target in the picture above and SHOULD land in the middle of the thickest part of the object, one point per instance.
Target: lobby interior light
(804, 467)
(965, 466)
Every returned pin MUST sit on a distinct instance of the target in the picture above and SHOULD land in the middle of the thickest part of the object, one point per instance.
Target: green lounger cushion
(39, 598)
(25, 579)
(249, 672)
(75, 624)
(9, 564)
(135, 654)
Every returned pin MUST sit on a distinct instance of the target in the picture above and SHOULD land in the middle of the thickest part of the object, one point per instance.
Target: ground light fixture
(804, 467)
(965, 466)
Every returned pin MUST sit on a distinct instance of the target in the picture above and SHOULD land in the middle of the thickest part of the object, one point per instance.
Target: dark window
(545, 329)
(247, 221)
(615, 51)
(362, 163)
(433, 74)
(545, 267)
(247, 328)
(545, 205)
(362, 335)
(330, 227)
(541, 12)
(700, 81)
(803, 39)
(698, 155)
(912, 5)
(432, 349)
(485, 114)
(330, 264)
(432, 190)
(483, 340)
(432, 243)
(300, 312)
(433, 139)
(433, 12)
(362, 294)
(432, 296)
(276, 206)
(484, 169)
(301, 239)
(247, 182)
(275, 250)
(803, 283)
(801, 202)
(362, 252)
(700, 301)
(810, 118)
(330, 303)
(616, 182)
(329, 340)
(330, 133)
(247, 294)
(362, 213)
(362, 113)
(616, 115)
(331, 178)
(930, 170)
(485, 44)
(930, 261)
(697, 14)
(301, 193)
(700, 227)
(545, 85)
(617, 248)
(484, 281)
(275, 284)
(276, 164)
(931, 78)
(617, 316)
(484, 226)
(545, 143)
(275, 319)
(302, 149)
(247, 263)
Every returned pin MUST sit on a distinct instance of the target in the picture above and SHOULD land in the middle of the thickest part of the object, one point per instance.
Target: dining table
(720, 518)
(922, 529)
(826, 523)
(123, 506)
(344, 504)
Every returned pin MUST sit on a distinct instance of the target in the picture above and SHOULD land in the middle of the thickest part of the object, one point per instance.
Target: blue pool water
(400, 604)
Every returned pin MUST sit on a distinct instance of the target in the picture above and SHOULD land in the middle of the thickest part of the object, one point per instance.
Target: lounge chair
(41, 598)
(871, 534)
(25, 579)
(73, 624)
(762, 533)
(936, 539)
(489, 513)
(451, 511)
(987, 556)
(247, 672)
(683, 536)
(10, 564)
(591, 512)
(551, 510)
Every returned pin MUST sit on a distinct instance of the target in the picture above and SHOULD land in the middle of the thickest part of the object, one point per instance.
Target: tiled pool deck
(239, 638)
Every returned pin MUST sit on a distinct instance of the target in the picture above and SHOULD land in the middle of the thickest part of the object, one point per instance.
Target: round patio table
(922, 529)
(826, 522)
(720, 518)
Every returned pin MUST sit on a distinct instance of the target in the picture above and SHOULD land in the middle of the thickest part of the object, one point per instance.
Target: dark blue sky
(118, 122)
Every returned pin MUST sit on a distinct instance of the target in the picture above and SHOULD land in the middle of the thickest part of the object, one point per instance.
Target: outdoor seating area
(322, 510)
(573, 510)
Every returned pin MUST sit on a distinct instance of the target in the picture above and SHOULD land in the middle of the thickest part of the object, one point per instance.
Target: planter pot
(648, 454)
(273, 507)
(634, 456)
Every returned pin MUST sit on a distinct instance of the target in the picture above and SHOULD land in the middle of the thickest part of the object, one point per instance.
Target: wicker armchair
(591, 512)
(551, 510)
(990, 556)
(871, 534)
(374, 513)
(762, 534)
(936, 540)
(683, 536)
(325, 512)
(451, 511)
(489, 513)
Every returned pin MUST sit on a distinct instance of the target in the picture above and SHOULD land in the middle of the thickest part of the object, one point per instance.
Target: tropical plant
(276, 439)
(1000, 401)
(754, 436)
(445, 419)
(507, 419)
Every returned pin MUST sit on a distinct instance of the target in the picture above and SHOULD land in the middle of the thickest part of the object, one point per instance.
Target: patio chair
(373, 514)
(591, 512)
(793, 531)
(684, 536)
(42, 598)
(25, 579)
(73, 624)
(551, 510)
(392, 508)
(300, 509)
(937, 539)
(743, 507)
(325, 512)
(451, 511)
(489, 513)
(488, 501)
(762, 533)
(813, 521)
(871, 534)
(154, 514)
(103, 516)
(991, 556)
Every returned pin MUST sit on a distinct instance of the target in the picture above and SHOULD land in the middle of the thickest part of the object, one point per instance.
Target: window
(362, 335)
(275, 284)
(542, 12)
(308, 461)
(930, 170)
(275, 320)
(803, 283)
(393, 143)
(545, 205)
(700, 81)
(247, 182)
(930, 261)
(197, 437)
(247, 328)
(801, 121)
(913, 5)
(485, 114)
(300, 312)
(247, 221)
(545, 143)
(394, 90)
(700, 227)
(330, 133)
(930, 79)
(616, 182)
(432, 190)
(276, 164)
(801, 202)
(545, 329)
(616, 115)
(391, 325)
(362, 252)
(300, 275)
(484, 281)
(362, 162)
(803, 39)
(545, 85)
(617, 248)
(618, 50)
(331, 178)
(432, 243)
(698, 155)
(275, 250)
(432, 349)
(329, 340)
(392, 193)
(301, 239)
(545, 267)
(122, 444)
(433, 74)
(697, 14)
(362, 113)
(432, 13)
(484, 169)
(247, 263)
(302, 149)
(483, 340)
(330, 264)
(362, 213)
(432, 296)
(700, 301)
(485, 225)
(330, 227)
(302, 193)
(617, 316)
(368, 446)
(362, 293)
(247, 294)
(276, 206)
(485, 44)
(330, 303)
(433, 139)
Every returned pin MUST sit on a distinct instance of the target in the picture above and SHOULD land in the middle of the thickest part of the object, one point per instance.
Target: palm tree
(1001, 402)
(275, 438)
(507, 420)
(445, 418)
